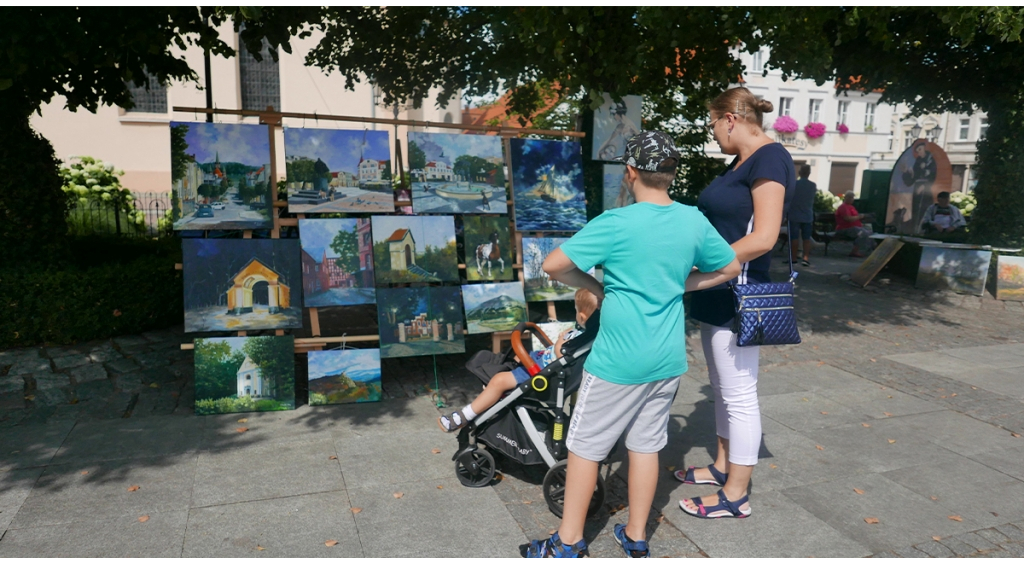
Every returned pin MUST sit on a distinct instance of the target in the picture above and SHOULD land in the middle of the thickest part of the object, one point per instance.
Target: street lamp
(915, 131)
(937, 132)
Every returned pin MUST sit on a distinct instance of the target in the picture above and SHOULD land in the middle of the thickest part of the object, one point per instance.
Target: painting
(493, 307)
(548, 185)
(1010, 278)
(220, 176)
(962, 270)
(538, 286)
(921, 172)
(237, 374)
(614, 123)
(420, 321)
(338, 170)
(488, 248)
(552, 330)
(615, 191)
(337, 262)
(414, 249)
(344, 376)
(457, 173)
(241, 284)
(876, 261)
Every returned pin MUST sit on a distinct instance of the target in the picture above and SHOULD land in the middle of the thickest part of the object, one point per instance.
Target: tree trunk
(1000, 189)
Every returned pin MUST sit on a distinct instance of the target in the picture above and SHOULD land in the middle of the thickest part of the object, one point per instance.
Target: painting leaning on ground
(237, 374)
(493, 307)
(344, 376)
(337, 262)
(220, 176)
(548, 185)
(420, 321)
(338, 170)
(1010, 278)
(457, 173)
(962, 270)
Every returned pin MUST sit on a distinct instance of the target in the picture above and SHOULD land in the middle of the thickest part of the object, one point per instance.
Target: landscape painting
(614, 123)
(538, 286)
(548, 185)
(338, 170)
(237, 374)
(220, 176)
(876, 261)
(241, 284)
(344, 376)
(615, 191)
(337, 262)
(493, 307)
(457, 173)
(414, 249)
(488, 248)
(1010, 278)
(962, 270)
(420, 321)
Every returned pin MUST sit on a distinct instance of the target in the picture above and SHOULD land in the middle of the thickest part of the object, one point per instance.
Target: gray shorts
(604, 411)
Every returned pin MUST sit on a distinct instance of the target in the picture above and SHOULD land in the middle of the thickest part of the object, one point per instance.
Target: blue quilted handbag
(764, 312)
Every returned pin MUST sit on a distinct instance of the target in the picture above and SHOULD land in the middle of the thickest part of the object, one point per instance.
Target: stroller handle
(520, 350)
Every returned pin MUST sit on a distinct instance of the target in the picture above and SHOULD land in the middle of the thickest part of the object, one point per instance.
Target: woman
(745, 204)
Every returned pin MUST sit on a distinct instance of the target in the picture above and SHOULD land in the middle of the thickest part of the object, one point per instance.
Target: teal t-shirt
(647, 252)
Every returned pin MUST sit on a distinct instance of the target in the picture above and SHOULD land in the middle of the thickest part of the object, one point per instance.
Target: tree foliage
(346, 244)
(276, 357)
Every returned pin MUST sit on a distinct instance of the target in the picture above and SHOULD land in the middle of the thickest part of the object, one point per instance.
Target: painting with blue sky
(616, 193)
(338, 170)
(337, 262)
(414, 249)
(344, 376)
(220, 176)
(539, 287)
(493, 307)
(548, 185)
(420, 321)
(457, 173)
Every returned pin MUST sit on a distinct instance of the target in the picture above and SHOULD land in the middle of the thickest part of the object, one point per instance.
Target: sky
(339, 148)
(236, 142)
(318, 233)
(234, 342)
(475, 294)
(436, 231)
(456, 144)
(360, 365)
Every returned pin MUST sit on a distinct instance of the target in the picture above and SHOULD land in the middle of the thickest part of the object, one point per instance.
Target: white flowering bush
(89, 179)
(166, 222)
(965, 202)
(826, 201)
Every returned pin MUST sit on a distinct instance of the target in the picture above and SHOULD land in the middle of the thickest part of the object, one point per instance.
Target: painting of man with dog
(488, 248)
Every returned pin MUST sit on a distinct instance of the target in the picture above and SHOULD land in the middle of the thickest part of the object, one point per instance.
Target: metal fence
(97, 217)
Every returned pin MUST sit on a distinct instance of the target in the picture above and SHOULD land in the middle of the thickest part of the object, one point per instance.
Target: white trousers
(733, 373)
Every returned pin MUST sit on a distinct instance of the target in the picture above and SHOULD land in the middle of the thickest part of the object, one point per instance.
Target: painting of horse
(488, 247)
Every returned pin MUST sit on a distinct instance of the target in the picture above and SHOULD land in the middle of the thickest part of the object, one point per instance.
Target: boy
(648, 250)
(586, 304)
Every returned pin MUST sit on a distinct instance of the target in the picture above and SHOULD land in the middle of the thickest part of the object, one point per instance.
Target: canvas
(538, 286)
(493, 307)
(488, 248)
(337, 262)
(237, 374)
(616, 193)
(876, 261)
(220, 176)
(414, 249)
(338, 170)
(614, 124)
(420, 321)
(552, 330)
(241, 284)
(1010, 278)
(457, 173)
(344, 376)
(548, 185)
(920, 173)
(962, 270)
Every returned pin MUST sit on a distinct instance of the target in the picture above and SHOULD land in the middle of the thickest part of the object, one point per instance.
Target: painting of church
(414, 249)
(402, 246)
(252, 382)
(239, 374)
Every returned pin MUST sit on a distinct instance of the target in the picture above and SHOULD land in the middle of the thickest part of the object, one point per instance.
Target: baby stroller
(527, 425)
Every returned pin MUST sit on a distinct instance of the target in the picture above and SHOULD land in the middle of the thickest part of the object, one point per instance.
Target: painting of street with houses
(457, 173)
(414, 249)
(548, 185)
(488, 248)
(220, 176)
(420, 321)
(537, 285)
(337, 262)
(344, 376)
(493, 307)
(338, 170)
(241, 284)
(238, 374)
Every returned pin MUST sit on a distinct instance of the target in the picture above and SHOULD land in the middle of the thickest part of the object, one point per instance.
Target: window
(757, 61)
(982, 127)
(908, 139)
(844, 110)
(785, 106)
(248, 376)
(150, 98)
(965, 129)
(932, 135)
(869, 117)
(259, 80)
(814, 111)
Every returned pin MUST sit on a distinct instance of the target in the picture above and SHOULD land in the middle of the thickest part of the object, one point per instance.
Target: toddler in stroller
(526, 425)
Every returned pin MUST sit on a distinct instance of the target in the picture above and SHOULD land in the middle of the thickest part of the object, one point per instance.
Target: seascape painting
(962, 270)
(241, 284)
(1010, 278)
(420, 321)
(493, 307)
(338, 170)
(457, 173)
(337, 262)
(614, 123)
(615, 191)
(220, 176)
(488, 248)
(538, 286)
(414, 249)
(548, 185)
(344, 376)
(239, 374)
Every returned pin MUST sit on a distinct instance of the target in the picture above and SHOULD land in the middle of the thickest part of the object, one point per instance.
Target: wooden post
(314, 321)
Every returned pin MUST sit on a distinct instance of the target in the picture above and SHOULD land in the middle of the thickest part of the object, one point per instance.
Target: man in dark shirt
(801, 215)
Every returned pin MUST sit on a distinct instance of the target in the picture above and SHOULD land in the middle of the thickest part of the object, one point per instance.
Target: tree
(216, 369)
(276, 358)
(179, 158)
(417, 158)
(346, 244)
(300, 170)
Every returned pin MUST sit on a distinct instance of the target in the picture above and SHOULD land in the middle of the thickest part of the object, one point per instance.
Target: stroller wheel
(475, 468)
(554, 490)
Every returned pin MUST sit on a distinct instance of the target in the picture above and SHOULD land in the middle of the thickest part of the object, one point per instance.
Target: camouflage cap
(648, 149)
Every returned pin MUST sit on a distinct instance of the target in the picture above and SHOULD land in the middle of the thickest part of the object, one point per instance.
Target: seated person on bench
(849, 226)
(941, 217)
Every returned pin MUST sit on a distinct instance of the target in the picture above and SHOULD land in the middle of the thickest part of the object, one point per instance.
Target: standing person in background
(801, 215)
(745, 204)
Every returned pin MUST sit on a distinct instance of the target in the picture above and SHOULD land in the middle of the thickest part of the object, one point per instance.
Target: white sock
(468, 413)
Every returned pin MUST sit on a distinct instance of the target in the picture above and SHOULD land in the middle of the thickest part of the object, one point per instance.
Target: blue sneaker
(553, 548)
(632, 548)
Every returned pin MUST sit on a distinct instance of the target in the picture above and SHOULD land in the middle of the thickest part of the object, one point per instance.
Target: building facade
(251, 381)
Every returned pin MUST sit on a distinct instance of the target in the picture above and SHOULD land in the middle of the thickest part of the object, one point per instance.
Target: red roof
(494, 114)
(398, 235)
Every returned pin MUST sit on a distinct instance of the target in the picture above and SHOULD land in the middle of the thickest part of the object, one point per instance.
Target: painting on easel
(241, 284)
(337, 262)
(538, 286)
(420, 321)
(338, 170)
(493, 307)
(1010, 278)
(548, 185)
(344, 376)
(220, 176)
(488, 248)
(414, 249)
(238, 374)
(457, 173)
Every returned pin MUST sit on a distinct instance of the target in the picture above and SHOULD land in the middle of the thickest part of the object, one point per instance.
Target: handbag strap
(789, 251)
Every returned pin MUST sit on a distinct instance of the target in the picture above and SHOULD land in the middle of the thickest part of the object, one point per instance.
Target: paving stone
(122, 366)
(104, 355)
(123, 537)
(909, 552)
(959, 547)
(40, 365)
(992, 535)
(153, 359)
(977, 541)
(1015, 550)
(51, 396)
(51, 381)
(97, 389)
(130, 340)
(131, 381)
(89, 373)
(1011, 532)
(70, 361)
(935, 550)
(12, 385)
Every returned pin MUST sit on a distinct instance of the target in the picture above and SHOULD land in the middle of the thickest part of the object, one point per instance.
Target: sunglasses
(710, 126)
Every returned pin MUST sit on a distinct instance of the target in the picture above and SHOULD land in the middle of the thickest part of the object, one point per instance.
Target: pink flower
(841, 128)
(814, 130)
(785, 124)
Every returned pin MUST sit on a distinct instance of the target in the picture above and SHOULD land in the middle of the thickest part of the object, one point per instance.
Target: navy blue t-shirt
(729, 206)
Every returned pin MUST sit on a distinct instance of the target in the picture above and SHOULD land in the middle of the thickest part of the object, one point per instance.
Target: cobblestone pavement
(911, 398)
